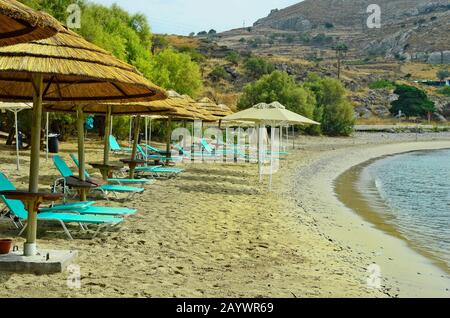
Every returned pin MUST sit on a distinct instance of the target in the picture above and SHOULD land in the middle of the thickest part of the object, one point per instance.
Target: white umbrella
(273, 114)
(16, 108)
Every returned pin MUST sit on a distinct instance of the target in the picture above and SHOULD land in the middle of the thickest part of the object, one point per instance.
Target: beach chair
(190, 155)
(156, 154)
(18, 214)
(66, 173)
(115, 147)
(119, 181)
(210, 149)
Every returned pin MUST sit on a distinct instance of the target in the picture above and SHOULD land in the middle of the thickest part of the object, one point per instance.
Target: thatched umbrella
(273, 114)
(184, 110)
(218, 111)
(65, 69)
(19, 23)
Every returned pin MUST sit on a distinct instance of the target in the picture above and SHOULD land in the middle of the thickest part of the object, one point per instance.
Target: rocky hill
(415, 30)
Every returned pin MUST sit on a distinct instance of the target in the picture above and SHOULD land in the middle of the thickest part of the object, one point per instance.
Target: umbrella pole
(46, 135)
(150, 131)
(137, 127)
(131, 131)
(30, 248)
(272, 142)
(17, 141)
(287, 136)
(168, 138)
(81, 154)
(260, 153)
(107, 131)
(293, 137)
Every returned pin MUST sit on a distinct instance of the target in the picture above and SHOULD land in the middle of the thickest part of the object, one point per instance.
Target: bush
(445, 91)
(233, 57)
(218, 73)
(329, 25)
(443, 74)
(257, 67)
(381, 84)
(412, 102)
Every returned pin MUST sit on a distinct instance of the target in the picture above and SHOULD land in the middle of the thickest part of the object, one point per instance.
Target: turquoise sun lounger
(66, 173)
(158, 156)
(17, 210)
(115, 147)
(114, 180)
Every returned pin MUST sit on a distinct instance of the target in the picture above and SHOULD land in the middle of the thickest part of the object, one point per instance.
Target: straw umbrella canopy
(185, 109)
(65, 69)
(19, 23)
(15, 108)
(214, 110)
(274, 113)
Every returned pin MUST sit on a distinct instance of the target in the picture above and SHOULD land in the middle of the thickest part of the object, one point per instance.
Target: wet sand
(216, 232)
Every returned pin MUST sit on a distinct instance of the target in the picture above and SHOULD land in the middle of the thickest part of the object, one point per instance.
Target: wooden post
(107, 132)
(38, 84)
(137, 124)
(81, 156)
(17, 140)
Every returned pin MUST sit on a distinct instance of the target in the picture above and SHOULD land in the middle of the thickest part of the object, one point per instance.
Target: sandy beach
(216, 232)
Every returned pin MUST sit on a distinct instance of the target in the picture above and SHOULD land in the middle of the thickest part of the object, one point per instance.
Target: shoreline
(403, 269)
(347, 187)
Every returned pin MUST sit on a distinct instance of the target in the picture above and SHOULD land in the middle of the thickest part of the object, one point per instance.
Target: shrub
(257, 67)
(412, 102)
(218, 73)
(233, 57)
(445, 91)
(381, 84)
(443, 74)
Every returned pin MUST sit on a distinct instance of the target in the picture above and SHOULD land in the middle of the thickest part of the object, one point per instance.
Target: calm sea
(415, 191)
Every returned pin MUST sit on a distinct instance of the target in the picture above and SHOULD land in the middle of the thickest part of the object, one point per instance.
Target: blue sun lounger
(114, 180)
(156, 154)
(17, 210)
(115, 147)
(66, 173)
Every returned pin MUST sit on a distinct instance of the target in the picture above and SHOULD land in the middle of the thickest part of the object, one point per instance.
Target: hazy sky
(186, 16)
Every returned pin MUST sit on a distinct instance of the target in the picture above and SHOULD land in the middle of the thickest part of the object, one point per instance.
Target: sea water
(415, 191)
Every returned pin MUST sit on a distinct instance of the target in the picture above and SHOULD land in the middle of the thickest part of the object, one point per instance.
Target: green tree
(257, 67)
(412, 101)
(172, 70)
(279, 86)
(443, 74)
(334, 110)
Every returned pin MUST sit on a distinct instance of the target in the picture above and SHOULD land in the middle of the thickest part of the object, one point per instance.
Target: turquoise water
(415, 191)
